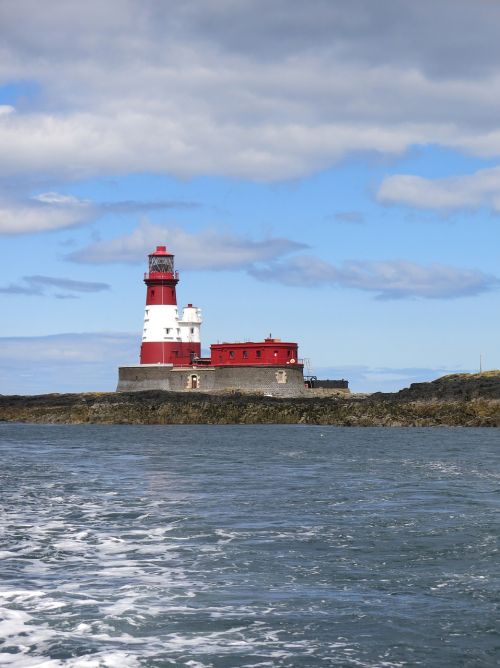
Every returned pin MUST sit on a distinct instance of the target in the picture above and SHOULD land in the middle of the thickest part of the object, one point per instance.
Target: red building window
(231, 354)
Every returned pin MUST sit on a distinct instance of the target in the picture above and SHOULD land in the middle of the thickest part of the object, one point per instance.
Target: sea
(248, 546)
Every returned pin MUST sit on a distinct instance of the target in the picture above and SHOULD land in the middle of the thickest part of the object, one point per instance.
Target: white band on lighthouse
(162, 323)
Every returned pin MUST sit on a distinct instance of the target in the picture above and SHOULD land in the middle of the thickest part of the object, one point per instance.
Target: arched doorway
(194, 381)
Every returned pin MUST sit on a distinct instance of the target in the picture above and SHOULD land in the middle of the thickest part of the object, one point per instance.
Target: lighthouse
(171, 359)
(167, 338)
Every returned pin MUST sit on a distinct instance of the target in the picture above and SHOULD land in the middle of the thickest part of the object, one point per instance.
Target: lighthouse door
(194, 382)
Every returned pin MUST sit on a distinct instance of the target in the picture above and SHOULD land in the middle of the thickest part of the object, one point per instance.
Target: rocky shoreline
(459, 400)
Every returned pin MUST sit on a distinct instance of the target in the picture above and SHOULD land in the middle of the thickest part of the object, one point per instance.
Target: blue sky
(330, 176)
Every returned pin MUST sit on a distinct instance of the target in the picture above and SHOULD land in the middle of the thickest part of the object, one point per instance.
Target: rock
(458, 400)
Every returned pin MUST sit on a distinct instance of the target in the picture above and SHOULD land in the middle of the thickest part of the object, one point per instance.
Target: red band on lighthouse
(160, 293)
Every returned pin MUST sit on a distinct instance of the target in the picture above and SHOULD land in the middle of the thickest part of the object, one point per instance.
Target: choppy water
(248, 546)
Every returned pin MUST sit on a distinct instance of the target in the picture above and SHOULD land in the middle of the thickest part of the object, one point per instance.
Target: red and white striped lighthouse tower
(167, 339)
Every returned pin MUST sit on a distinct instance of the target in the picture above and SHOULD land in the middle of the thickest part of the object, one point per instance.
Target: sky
(326, 172)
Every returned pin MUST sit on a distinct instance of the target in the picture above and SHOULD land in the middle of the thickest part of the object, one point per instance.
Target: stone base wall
(281, 381)
(138, 378)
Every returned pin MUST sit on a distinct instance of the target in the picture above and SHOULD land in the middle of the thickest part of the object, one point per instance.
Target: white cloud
(91, 347)
(209, 249)
(58, 198)
(266, 261)
(65, 362)
(53, 211)
(37, 286)
(394, 279)
(49, 211)
(471, 191)
(246, 89)
(110, 141)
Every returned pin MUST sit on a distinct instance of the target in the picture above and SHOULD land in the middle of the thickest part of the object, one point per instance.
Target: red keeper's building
(269, 351)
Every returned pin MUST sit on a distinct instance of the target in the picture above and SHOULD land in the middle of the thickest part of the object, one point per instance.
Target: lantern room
(160, 263)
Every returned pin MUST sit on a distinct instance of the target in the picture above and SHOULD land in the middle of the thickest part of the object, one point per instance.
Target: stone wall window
(281, 376)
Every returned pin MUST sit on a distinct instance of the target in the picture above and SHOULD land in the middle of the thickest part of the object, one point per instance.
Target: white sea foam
(13, 623)
(113, 659)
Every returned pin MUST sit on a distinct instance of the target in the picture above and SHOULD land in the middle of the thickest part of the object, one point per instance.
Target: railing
(161, 275)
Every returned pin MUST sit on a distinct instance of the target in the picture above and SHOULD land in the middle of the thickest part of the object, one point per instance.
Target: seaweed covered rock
(459, 400)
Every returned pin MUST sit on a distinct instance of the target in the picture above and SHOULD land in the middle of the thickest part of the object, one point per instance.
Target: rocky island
(457, 400)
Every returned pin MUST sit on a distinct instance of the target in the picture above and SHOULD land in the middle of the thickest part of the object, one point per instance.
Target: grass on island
(483, 374)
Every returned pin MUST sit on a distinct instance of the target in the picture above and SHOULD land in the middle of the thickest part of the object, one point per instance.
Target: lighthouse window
(167, 330)
(231, 354)
(245, 355)
(258, 353)
(192, 330)
(152, 293)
